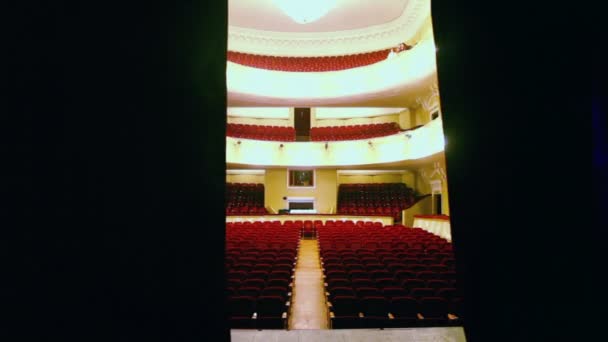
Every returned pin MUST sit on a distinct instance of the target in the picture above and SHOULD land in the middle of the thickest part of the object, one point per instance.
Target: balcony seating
(353, 132)
(307, 64)
(259, 132)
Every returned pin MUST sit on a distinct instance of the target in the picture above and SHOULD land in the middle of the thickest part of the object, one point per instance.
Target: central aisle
(308, 310)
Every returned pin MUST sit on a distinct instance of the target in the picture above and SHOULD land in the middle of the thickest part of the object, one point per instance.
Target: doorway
(301, 119)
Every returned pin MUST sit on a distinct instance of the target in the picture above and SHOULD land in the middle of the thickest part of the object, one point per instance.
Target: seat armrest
(419, 315)
(329, 305)
(254, 316)
(332, 315)
(390, 316)
(452, 316)
(284, 315)
(287, 303)
(361, 315)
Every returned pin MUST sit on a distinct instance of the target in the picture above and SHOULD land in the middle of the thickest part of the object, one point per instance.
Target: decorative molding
(431, 176)
(431, 101)
(439, 170)
(355, 41)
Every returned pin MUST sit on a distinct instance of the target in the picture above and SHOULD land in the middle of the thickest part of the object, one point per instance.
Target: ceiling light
(305, 12)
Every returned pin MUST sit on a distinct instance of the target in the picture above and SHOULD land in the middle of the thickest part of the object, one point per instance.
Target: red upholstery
(272, 133)
(382, 263)
(244, 199)
(383, 199)
(255, 285)
(355, 132)
(307, 64)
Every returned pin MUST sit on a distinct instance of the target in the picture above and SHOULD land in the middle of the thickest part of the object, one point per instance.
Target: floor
(450, 334)
(308, 308)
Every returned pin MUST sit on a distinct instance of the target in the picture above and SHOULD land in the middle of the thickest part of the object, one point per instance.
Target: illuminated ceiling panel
(332, 15)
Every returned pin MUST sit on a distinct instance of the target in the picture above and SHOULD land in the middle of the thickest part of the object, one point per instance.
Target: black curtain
(117, 184)
(516, 123)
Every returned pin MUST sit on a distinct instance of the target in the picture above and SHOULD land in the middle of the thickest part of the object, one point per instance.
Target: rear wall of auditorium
(324, 192)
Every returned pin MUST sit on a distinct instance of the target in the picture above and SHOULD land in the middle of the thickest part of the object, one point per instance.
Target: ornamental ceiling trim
(372, 38)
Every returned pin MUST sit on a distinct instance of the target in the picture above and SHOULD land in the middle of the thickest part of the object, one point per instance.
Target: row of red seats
(290, 225)
(385, 199)
(374, 186)
(394, 212)
(380, 311)
(244, 198)
(359, 189)
(354, 132)
(260, 264)
(392, 276)
(375, 201)
(246, 210)
(259, 132)
(244, 186)
(308, 64)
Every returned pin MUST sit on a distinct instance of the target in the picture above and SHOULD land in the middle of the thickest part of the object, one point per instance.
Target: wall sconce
(281, 146)
(326, 145)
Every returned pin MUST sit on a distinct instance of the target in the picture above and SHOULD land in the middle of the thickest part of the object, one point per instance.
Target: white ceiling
(347, 15)
(353, 26)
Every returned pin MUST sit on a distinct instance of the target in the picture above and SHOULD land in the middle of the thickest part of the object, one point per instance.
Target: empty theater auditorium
(337, 210)
(303, 170)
